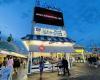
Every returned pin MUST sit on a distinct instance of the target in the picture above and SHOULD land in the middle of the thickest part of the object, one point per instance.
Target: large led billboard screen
(46, 16)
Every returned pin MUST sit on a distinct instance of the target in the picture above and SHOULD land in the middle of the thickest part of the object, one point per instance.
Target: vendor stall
(51, 50)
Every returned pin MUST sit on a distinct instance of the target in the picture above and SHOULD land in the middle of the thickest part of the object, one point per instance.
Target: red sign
(41, 48)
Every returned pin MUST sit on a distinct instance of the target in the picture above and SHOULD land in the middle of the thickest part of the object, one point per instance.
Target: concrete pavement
(79, 72)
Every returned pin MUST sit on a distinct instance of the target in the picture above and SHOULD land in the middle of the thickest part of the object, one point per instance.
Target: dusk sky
(81, 17)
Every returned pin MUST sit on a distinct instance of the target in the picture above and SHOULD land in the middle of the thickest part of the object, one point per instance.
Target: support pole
(29, 63)
(83, 56)
(67, 57)
(69, 66)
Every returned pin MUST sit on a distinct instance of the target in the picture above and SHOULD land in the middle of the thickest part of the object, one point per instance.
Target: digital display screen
(46, 16)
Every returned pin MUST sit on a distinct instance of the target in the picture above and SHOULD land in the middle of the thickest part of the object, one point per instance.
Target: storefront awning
(47, 38)
(12, 54)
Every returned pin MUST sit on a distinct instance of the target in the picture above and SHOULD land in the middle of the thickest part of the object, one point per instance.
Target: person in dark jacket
(41, 66)
(5, 61)
(90, 60)
(16, 64)
(65, 66)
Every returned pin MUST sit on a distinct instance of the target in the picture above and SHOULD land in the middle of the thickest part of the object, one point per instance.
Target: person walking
(24, 63)
(59, 66)
(89, 59)
(5, 61)
(65, 67)
(41, 66)
(94, 60)
(10, 65)
(16, 65)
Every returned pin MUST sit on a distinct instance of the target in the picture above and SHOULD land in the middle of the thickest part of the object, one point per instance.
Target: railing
(47, 68)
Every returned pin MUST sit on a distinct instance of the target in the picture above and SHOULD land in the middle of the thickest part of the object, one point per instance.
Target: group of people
(93, 60)
(7, 69)
(62, 65)
(11, 63)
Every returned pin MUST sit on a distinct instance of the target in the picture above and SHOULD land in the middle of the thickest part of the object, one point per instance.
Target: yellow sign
(79, 50)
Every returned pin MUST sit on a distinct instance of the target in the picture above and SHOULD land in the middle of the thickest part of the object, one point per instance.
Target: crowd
(62, 66)
(6, 69)
(93, 61)
(10, 65)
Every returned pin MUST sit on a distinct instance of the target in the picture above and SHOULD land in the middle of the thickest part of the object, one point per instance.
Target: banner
(49, 32)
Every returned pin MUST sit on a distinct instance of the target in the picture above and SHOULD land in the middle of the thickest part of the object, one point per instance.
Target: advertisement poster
(49, 32)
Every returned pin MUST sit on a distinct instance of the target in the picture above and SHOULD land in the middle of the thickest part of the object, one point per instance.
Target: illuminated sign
(46, 16)
(41, 48)
(79, 50)
(49, 32)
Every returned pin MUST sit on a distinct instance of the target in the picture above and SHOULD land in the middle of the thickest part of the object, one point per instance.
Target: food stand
(50, 50)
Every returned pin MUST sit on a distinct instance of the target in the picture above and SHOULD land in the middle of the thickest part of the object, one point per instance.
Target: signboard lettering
(49, 32)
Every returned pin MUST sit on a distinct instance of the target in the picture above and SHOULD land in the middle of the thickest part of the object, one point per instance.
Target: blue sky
(81, 17)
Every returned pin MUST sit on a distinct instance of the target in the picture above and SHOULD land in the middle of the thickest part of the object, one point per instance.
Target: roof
(8, 46)
(46, 38)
